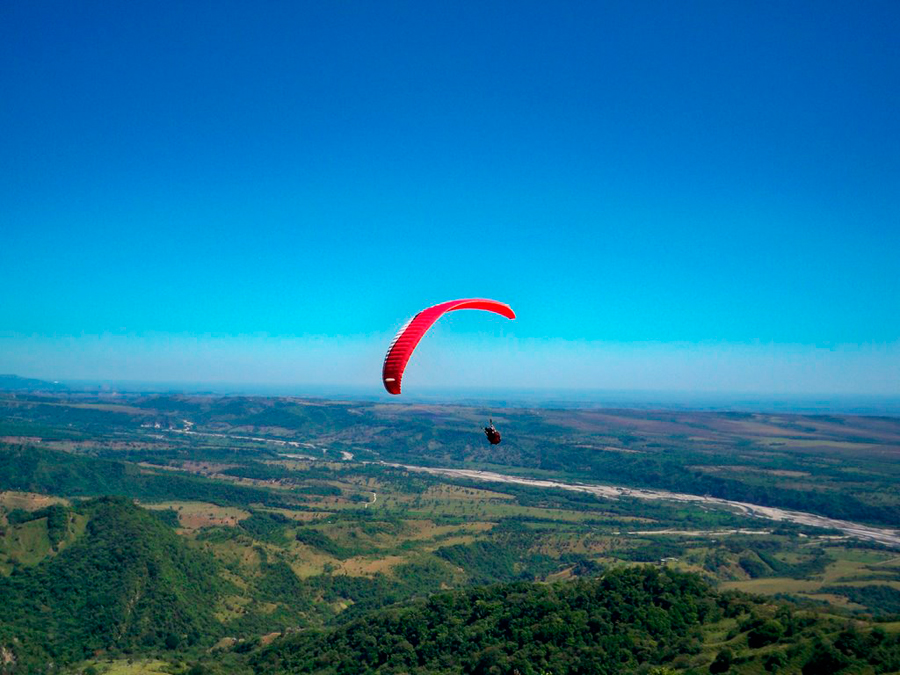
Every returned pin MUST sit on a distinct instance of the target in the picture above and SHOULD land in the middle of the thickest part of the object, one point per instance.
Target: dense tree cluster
(880, 598)
(608, 625)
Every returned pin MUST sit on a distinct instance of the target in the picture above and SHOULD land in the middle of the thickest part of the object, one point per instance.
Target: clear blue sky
(702, 195)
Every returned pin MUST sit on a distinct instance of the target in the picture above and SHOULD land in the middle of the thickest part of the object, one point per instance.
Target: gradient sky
(691, 195)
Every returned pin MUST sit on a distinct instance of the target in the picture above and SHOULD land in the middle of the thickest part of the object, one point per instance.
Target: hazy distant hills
(16, 383)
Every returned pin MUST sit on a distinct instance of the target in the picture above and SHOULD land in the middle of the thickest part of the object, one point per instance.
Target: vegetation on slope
(625, 621)
(34, 469)
(129, 582)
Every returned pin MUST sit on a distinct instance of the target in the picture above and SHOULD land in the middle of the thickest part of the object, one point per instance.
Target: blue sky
(697, 195)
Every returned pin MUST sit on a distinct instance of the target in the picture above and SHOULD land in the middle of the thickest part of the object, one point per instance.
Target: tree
(722, 662)
(765, 634)
(772, 662)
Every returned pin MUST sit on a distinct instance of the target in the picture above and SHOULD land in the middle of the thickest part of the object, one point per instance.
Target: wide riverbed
(881, 535)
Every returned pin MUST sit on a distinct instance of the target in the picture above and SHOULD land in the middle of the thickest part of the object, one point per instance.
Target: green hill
(129, 582)
(630, 620)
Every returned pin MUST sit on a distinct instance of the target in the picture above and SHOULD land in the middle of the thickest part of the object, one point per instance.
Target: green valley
(199, 534)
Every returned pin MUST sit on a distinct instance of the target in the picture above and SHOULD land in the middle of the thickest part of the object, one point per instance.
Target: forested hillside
(128, 582)
(623, 622)
(130, 586)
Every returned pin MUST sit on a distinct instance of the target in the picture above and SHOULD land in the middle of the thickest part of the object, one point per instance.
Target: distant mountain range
(496, 398)
(16, 383)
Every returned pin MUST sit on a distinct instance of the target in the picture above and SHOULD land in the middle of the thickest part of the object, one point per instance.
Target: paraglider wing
(406, 340)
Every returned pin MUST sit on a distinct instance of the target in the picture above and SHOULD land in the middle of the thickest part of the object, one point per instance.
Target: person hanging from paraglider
(406, 340)
(492, 434)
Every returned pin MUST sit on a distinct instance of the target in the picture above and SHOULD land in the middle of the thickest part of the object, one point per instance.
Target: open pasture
(197, 515)
(27, 501)
(129, 667)
(849, 568)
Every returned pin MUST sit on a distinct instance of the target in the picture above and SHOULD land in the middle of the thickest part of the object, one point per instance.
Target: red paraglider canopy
(406, 340)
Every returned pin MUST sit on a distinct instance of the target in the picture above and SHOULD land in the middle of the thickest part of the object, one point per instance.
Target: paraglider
(407, 339)
(492, 434)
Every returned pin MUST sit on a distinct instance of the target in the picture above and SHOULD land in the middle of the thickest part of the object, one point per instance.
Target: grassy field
(28, 543)
(850, 568)
(27, 501)
(130, 667)
(197, 515)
